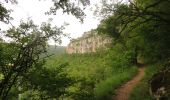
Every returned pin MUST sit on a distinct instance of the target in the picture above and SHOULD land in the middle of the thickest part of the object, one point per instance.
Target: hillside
(123, 55)
(97, 74)
(56, 50)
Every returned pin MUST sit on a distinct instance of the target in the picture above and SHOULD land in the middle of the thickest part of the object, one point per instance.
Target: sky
(35, 10)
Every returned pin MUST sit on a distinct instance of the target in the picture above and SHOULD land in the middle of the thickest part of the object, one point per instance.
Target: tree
(5, 13)
(70, 7)
(146, 19)
(28, 43)
(46, 83)
(143, 25)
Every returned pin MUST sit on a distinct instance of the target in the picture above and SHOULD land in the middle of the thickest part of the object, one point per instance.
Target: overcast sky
(36, 9)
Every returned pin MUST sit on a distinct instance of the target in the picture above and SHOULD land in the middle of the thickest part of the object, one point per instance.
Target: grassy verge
(105, 89)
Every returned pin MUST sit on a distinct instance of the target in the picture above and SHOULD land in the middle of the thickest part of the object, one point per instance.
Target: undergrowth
(97, 75)
(141, 91)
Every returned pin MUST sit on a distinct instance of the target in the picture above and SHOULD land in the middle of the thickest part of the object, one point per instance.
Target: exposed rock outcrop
(89, 42)
(160, 85)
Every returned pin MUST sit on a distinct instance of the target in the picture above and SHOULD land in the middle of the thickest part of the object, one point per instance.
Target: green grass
(101, 72)
(105, 89)
(141, 91)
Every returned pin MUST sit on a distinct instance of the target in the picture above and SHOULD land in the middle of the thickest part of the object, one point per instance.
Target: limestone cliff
(89, 42)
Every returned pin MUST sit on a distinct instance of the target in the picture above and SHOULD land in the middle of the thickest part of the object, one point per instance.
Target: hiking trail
(124, 91)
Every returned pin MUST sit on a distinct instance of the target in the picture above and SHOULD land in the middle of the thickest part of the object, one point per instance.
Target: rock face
(89, 42)
(160, 85)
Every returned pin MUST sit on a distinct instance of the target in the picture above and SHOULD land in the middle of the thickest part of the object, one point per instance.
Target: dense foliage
(24, 51)
(142, 26)
(96, 74)
(140, 29)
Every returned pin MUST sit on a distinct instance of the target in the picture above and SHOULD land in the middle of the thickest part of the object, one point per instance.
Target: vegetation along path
(124, 91)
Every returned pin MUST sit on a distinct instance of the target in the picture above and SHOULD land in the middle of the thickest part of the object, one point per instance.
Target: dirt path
(124, 91)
